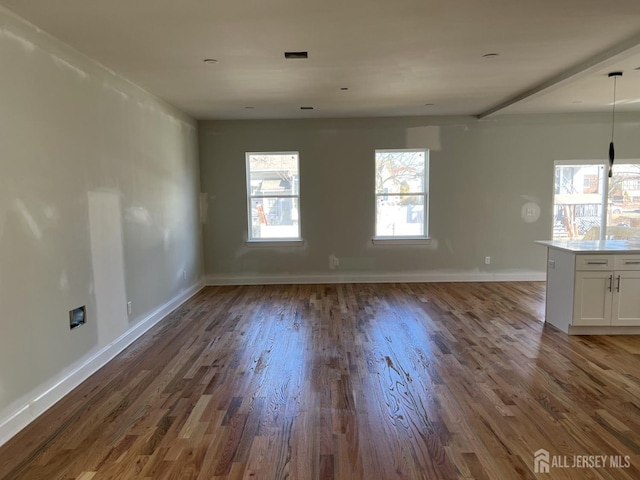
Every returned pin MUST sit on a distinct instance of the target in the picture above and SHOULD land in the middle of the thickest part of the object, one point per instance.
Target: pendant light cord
(613, 116)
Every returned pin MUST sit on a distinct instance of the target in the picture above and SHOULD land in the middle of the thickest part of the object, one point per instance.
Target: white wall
(482, 175)
(99, 186)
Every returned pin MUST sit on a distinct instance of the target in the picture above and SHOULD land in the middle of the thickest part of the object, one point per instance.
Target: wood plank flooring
(364, 381)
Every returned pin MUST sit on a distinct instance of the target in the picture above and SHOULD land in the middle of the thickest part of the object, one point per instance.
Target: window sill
(401, 241)
(275, 243)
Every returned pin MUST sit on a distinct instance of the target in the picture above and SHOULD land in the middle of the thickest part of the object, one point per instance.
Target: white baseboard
(406, 277)
(529, 276)
(604, 330)
(44, 398)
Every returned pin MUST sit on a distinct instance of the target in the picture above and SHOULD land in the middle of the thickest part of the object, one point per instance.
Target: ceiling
(395, 57)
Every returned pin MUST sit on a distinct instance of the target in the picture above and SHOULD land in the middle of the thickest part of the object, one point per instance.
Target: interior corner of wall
(204, 207)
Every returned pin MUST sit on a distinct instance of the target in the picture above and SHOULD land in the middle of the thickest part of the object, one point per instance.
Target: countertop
(593, 246)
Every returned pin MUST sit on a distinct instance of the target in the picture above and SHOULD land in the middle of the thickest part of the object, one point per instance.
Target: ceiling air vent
(306, 108)
(292, 55)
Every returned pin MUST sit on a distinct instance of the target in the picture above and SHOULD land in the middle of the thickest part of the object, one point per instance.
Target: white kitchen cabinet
(593, 287)
(593, 298)
(626, 298)
(607, 298)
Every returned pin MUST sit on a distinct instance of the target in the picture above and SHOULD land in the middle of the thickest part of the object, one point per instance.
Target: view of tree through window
(273, 196)
(401, 193)
(581, 191)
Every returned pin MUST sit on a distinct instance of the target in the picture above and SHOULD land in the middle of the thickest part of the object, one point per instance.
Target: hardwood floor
(366, 381)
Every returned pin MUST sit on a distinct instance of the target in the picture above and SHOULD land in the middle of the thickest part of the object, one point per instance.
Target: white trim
(589, 161)
(603, 330)
(45, 397)
(524, 276)
(394, 150)
(400, 277)
(275, 243)
(275, 195)
(425, 184)
(250, 197)
(401, 241)
(604, 187)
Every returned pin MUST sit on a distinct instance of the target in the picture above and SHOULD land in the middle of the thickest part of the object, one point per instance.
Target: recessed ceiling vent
(293, 55)
(306, 108)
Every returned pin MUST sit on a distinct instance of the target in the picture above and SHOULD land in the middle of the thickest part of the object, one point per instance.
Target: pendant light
(612, 153)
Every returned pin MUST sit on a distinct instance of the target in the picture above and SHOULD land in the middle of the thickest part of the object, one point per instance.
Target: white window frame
(604, 186)
(404, 239)
(273, 241)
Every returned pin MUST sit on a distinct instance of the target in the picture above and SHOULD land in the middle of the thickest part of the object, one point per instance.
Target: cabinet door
(626, 298)
(593, 298)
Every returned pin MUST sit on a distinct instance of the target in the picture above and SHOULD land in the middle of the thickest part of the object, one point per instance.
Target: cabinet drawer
(627, 262)
(594, 262)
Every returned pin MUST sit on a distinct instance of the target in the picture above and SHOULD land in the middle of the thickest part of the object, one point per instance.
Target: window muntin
(273, 195)
(402, 177)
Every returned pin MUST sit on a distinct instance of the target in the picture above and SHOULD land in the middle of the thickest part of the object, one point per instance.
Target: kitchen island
(593, 287)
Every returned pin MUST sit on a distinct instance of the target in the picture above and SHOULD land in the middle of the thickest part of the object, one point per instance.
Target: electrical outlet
(487, 260)
(129, 308)
(184, 275)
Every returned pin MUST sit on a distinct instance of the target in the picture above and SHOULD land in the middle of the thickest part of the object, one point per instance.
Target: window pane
(400, 172)
(274, 174)
(623, 212)
(274, 217)
(400, 215)
(577, 202)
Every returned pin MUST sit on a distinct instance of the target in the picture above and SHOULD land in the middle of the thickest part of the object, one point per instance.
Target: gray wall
(99, 189)
(482, 174)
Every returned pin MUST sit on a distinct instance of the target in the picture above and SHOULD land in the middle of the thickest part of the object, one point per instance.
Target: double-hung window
(273, 196)
(402, 196)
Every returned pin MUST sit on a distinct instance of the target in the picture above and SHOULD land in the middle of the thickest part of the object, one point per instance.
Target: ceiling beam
(600, 60)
